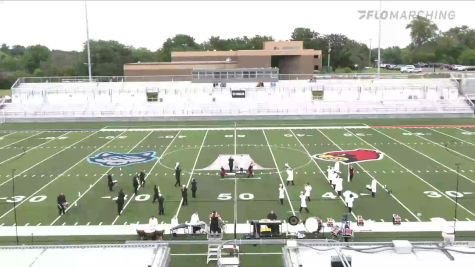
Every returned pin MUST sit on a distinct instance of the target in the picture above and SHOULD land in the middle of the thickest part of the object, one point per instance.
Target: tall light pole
(379, 41)
(87, 43)
(329, 51)
(369, 60)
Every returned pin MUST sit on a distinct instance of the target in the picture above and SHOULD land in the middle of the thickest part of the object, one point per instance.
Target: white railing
(196, 112)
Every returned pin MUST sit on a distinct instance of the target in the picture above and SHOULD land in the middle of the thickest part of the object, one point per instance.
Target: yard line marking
(437, 144)
(38, 163)
(191, 173)
(99, 179)
(3, 136)
(100, 223)
(63, 224)
(454, 137)
(429, 184)
(392, 194)
(38, 224)
(60, 175)
(417, 151)
(467, 219)
(88, 223)
(24, 151)
(278, 172)
(318, 166)
(235, 180)
(26, 224)
(21, 140)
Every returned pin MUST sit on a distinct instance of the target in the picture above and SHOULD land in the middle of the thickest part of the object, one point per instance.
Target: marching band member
(290, 174)
(307, 189)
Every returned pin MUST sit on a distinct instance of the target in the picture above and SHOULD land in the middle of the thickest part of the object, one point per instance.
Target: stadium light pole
(87, 44)
(329, 52)
(379, 41)
(369, 60)
(456, 196)
(14, 206)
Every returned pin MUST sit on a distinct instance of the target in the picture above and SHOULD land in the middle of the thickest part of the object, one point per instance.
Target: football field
(426, 169)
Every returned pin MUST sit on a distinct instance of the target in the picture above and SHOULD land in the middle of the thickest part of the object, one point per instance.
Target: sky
(61, 24)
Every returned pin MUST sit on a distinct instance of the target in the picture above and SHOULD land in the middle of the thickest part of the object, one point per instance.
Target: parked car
(410, 69)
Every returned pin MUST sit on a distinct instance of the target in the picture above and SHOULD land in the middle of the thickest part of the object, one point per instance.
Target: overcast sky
(61, 25)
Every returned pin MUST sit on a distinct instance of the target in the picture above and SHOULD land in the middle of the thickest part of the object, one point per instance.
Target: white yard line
(100, 178)
(278, 172)
(45, 159)
(420, 153)
(433, 187)
(26, 138)
(461, 140)
(191, 174)
(60, 175)
(23, 152)
(149, 174)
(235, 180)
(392, 194)
(437, 144)
(318, 166)
(3, 136)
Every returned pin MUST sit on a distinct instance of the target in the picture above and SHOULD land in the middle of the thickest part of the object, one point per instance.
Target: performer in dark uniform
(142, 178)
(250, 170)
(110, 182)
(222, 172)
(161, 201)
(184, 195)
(155, 193)
(177, 174)
(135, 183)
(352, 173)
(120, 201)
(194, 188)
(272, 216)
(214, 222)
(62, 203)
(231, 164)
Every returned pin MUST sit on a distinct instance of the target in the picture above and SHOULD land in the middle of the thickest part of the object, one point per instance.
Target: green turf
(5, 92)
(243, 123)
(419, 166)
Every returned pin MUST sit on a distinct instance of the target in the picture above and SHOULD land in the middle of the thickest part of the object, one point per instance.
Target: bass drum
(311, 224)
(293, 220)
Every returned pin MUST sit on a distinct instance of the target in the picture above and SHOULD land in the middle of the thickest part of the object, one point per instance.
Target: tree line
(428, 44)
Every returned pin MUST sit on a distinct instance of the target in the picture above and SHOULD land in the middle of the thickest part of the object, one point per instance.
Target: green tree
(467, 57)
(108, 58)
(180, 42)
(392, 55)
(34, 56)
(422, 30)
(143, 55)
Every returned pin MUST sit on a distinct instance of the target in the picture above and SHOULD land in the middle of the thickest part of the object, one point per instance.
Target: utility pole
(87, 43)
(329, 51)
(369, 63)
(379, 42)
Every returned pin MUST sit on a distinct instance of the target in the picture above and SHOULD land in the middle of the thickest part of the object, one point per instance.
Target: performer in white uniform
(290, 174)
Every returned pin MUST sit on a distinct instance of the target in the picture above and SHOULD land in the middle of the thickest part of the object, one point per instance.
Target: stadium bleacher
(72, 100)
